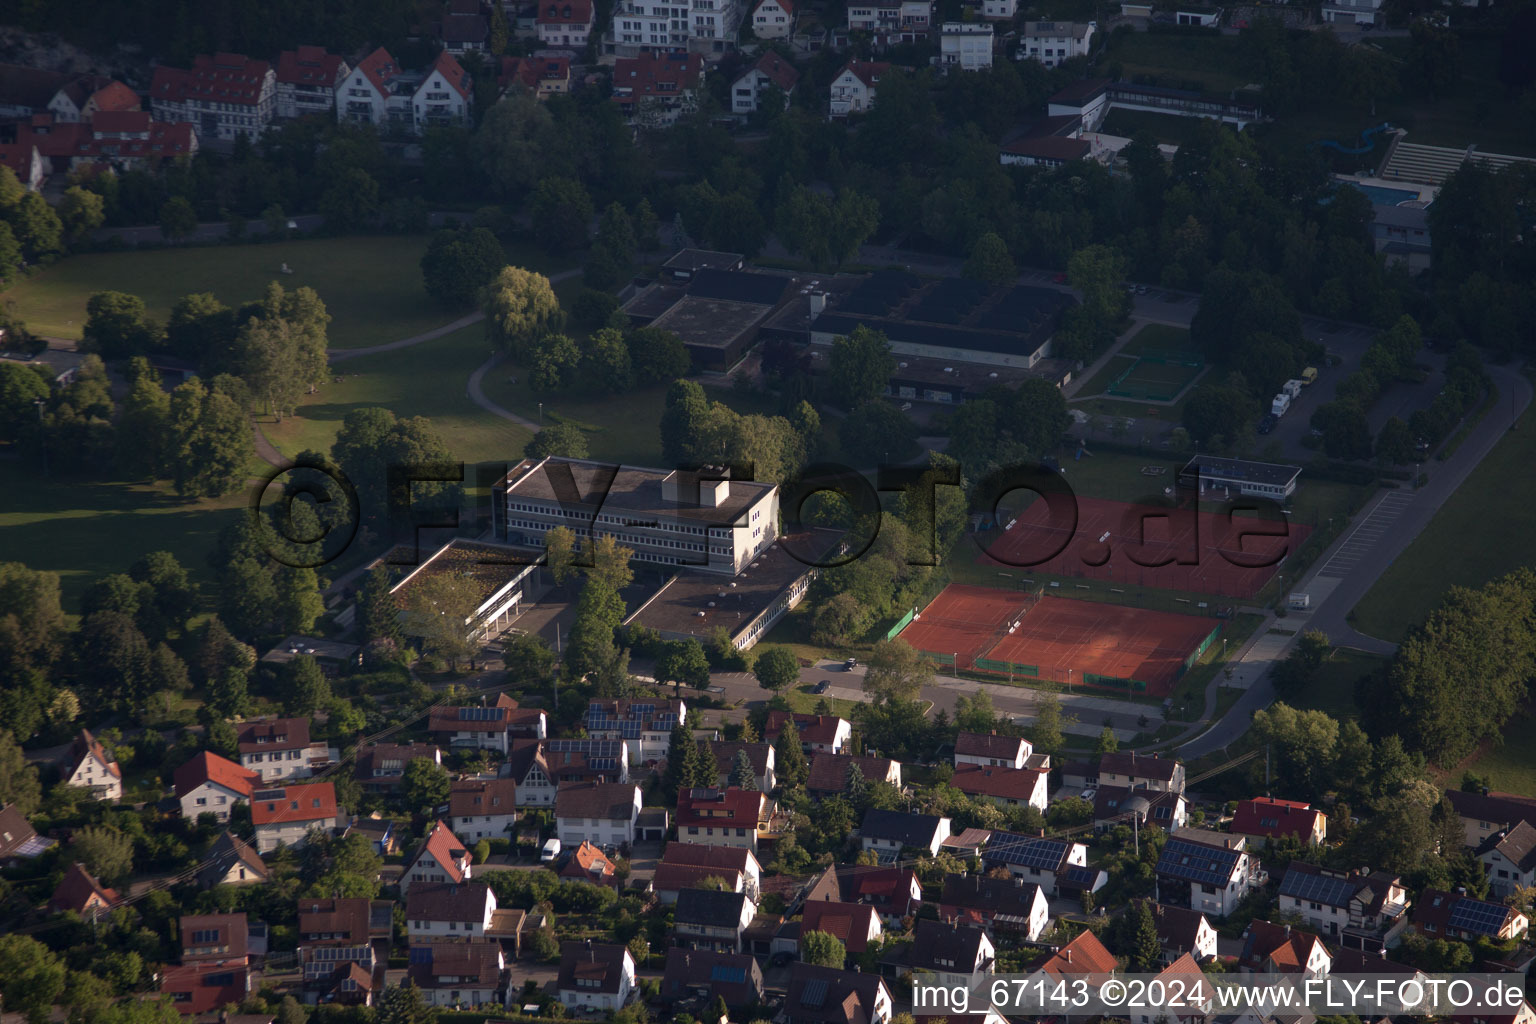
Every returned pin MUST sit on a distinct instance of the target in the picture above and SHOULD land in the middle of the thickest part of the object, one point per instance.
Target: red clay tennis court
(1223, 561)
(1065, 641)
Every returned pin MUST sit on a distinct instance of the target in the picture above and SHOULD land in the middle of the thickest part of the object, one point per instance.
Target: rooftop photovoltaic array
(1196, 863)
(814, 993)
(1081, 875)
(1029, 851)
(728, 974)
(1477, 916)
(268, 794)
(1303, 885)
(481, 714)
(421, 955)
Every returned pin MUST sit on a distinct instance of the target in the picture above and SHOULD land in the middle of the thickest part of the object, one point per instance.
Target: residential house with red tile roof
(889, 833)
(26, 162)
(344, 947)
(378, 91)
(1509, 856)
(88, 95)
(286, 816)
(827, 995)
(19, 841)
(1264, 818)
(1181, 930)
(949, 954)
(441, 857)
(1455, 915)
(1141, 771)
(225, 95)
(120, 140)
(231, 861)
(80, 892)
(589, 864)
(482, 808)
(90, 767)
(645, 725)
(828, 773)
(464, 974)
(770, 71)
(722, 817)
(202, 987)
(595, 977)
(653, 90)
(1197, 999)
(991, 750)
(894, 892)
(855, 925)
(704, 974)
(210, 784)
(728, 858)
(773, 19)
(1357, 909)
(564, 24)
(855, 86)
(761, 756)
(671, 879)
(448, 910)
(278, 748)
(1085, 954)
(1002, 904)
(380, 767)
(1485, 812)
(542, 76)
(818, 733)
(603, 813)
(1005, 787)
(465, 28)
(306, 81)
(1270, 948)
(495, 727)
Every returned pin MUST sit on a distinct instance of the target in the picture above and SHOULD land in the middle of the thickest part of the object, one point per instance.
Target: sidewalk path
(341, 355)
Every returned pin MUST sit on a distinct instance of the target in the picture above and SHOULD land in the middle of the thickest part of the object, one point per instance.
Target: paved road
(1358, 558)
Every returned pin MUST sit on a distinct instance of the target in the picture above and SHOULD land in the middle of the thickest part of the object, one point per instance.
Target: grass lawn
(371, 285)
(1511, 765)
(423, 380)
(1481, 532)
(84, 529)
(1113, 367)
(1333, 688)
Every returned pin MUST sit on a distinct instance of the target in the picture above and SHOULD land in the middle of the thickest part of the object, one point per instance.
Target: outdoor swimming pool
(1383, 196)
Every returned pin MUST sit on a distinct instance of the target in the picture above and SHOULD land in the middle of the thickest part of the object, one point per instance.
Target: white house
(1138, 771)
(441, 857)
(306, 81)
(225, 95)
(564, 24)
(1346, 907)
(769, 70)
(231, 861)
(276, 748)
(483, 808)
(210, 784)
(457, 974)
(712, 919)
(1046, 862)
(285, 817)
(602, 813)
(646, 725)
(596, 977)
(1510, 859)
(1206, 871)
(966, 45)
(1006, 787)
(444, 97)
(90, 767)
(889, 832)
(819, 734)
(854, 88)
(950, 954)
(761, 755)
(1051, 42)
(1183, 975)
(992, 750)
(722, 817)
(1351, 12)
(725, 859)
(446, 910)
(999, 10)
(891, 21)
(1183, 931)
(773, 19)
(1270, 948)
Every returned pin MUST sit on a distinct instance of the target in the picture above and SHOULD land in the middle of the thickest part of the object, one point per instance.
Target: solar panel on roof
(1029, 851)
(1082, 875)
(1302, 885)
(268, 794)
(1476, 916)
(421, 955)
(815, 993)
(726, 973)
(1195, 863)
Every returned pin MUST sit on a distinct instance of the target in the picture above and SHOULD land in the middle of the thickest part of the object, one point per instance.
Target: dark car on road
(1267, 423)
(823, 686)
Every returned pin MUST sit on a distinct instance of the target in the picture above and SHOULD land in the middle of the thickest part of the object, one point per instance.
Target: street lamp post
(541, 415)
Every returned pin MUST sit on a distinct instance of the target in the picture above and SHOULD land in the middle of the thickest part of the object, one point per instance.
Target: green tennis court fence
(942, 659)
(1137, 685)
(1204, 646)
(901, 624)
(989, 665)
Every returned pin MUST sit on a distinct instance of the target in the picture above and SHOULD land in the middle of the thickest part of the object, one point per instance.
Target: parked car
(823, 686)
(1060, 278)
(1267, 423)
(850, 664)
(1141, 289)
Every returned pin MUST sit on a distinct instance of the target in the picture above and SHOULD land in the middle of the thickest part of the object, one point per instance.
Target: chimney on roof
(1461, 890)
(1287, 929)
(1068, 954)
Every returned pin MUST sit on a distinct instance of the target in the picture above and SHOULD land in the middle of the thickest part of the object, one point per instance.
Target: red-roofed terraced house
(653, 90)
(564, 23)
(306, 81)
(225, 95)
(1262, 819)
